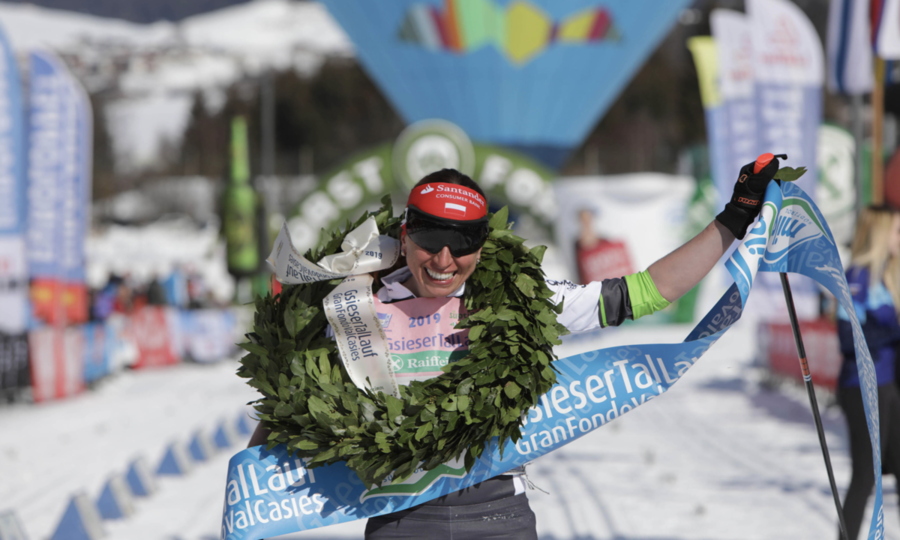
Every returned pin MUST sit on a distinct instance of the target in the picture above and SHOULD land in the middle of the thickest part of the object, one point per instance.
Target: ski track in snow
(719, 456)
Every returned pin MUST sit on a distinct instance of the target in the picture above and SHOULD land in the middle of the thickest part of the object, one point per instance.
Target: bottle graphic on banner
(239, 212)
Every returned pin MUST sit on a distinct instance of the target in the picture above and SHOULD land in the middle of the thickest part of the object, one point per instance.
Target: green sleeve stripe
(644, 296)
(602, 314)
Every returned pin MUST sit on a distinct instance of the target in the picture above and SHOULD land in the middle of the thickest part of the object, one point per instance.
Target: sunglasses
(432, 233)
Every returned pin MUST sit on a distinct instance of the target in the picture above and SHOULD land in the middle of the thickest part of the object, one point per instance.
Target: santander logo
(428, 189)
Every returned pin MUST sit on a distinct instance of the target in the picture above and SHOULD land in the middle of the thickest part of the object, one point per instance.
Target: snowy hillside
(155, 69)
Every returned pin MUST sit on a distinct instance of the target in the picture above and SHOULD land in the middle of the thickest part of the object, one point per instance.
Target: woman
(874, 279)
(446, 226)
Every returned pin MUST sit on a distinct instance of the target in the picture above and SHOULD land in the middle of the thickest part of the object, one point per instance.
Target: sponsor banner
(239, 208)
(96, 352)
(75, 220)
(13, 284)
(75, 302)
(601, 260)
(576, 55)
(849, 47)
(59, 186)
(788, 66)
(57, 362)
(207, 334)
(422, 336)
(12, 144)
(269, 493)
(46, 295)
(706, 58)
(731, 31)
(631, 219)
(48, 96)
(506, 176)
(836, 190)
(886, 26)
(13, 202)
(776, 342)
(149, 328)
(14, 361)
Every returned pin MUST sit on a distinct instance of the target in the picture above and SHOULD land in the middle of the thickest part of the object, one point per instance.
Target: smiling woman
(487, 325)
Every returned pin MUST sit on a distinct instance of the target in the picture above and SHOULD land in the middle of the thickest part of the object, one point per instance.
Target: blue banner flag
(269, 493)
(76, 167)
(533, 75)
(13, 264)
(12, 143)
(48, 89)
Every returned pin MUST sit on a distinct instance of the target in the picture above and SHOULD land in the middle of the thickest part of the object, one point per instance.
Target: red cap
(448, 201)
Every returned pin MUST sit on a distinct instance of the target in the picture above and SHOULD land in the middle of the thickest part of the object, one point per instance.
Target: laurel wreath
(310, 405)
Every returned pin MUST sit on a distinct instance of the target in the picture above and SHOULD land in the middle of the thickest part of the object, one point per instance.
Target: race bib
(421, 335)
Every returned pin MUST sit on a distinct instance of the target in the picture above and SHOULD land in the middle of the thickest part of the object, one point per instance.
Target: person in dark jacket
(874, 279)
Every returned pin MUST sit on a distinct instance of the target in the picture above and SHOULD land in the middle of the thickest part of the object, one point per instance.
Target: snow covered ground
(718, 457)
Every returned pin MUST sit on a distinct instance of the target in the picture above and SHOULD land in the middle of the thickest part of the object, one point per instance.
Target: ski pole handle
(765, 159)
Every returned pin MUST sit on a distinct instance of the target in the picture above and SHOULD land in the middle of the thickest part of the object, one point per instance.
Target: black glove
(746, 201)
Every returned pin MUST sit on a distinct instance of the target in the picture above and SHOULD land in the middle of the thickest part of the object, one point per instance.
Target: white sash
(350, 307)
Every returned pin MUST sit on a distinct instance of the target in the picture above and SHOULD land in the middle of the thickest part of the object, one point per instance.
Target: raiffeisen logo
(796, 224)
(520, 31)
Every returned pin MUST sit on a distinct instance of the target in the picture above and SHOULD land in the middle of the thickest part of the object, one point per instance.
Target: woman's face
(894, 236)
(436, 275)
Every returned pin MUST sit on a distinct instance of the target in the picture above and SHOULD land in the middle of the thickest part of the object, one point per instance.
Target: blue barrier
(139, 479)
(115, 500)
(200, 447)
(81, 521)
(223, 437)
(175, 462)
(243, 425)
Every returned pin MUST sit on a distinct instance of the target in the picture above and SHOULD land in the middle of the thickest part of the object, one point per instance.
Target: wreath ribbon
(350, 308)
(364, 250)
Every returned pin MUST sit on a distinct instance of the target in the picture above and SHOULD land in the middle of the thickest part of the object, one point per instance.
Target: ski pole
(807, 379)
(761, 162)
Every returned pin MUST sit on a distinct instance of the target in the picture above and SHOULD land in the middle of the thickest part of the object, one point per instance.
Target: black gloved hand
(746, 201)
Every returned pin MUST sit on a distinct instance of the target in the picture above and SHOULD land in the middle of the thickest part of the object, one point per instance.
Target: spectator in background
(156, 295)
(598, 258)
(104, 300)
(874, 278)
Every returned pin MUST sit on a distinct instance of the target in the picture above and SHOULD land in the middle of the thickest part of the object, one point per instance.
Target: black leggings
(505, 519)
(862, 479)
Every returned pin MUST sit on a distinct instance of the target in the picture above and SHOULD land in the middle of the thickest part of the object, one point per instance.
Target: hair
(451, 176)
(870, 249)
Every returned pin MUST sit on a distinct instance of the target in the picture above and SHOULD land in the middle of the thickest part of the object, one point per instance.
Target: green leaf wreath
(310, 404)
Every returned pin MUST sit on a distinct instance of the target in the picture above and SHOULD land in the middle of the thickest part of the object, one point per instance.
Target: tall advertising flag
(886, 26)
(47, 132)
(706, 59)
(849, 47)
(788, 64)
(789, 72)
(13, 265)
(239, 209)
(734, 42)
(76, 169)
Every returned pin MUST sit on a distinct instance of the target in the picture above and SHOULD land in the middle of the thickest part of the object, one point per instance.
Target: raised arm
(679, 271)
